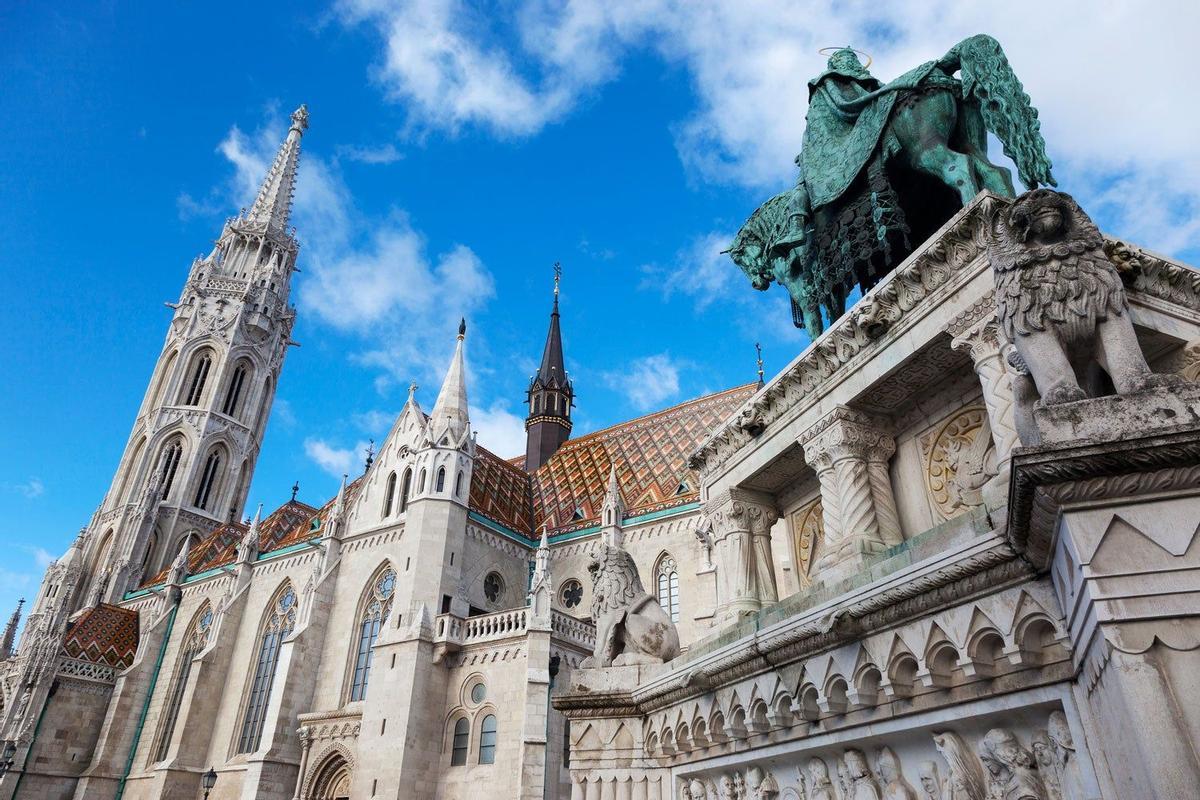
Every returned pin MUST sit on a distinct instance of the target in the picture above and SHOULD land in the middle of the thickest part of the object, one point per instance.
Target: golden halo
(828, 51)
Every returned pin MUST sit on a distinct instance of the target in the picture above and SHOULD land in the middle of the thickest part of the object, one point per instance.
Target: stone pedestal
(1110, 504)
(850, 453)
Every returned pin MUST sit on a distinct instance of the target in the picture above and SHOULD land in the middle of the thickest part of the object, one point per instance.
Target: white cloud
(700, 271)
(380, 154)
(369, 277)
(335, 460)
(647, 382)
(500, 430)
(31, 489)
(41, 556)
(1117, 123)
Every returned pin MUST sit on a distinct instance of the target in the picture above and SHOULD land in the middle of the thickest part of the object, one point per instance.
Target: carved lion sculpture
(1062, 306)
(631, 627)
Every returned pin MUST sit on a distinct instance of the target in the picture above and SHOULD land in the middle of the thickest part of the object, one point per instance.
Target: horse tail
(1007, 111)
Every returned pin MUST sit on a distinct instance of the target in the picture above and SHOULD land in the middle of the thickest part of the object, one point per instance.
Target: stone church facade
(878, 591)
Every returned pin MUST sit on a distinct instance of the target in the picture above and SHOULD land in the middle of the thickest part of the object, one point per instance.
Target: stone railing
(573, 630)
(500, 625)
(87, 670)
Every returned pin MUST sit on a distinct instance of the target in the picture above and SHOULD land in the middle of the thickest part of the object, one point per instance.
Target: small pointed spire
(10, 631)
(273, 205)
(613, 512)
(179, 566)
(248, 549)
(370, 454)
(758, 350)
(450, 414)
(412, 392)
(295, 490)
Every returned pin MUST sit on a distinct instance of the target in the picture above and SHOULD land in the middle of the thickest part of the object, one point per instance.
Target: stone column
(976, 332)
(850, 452)
(741, 531)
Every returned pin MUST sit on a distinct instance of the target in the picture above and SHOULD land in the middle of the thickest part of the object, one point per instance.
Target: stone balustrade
(573, 630)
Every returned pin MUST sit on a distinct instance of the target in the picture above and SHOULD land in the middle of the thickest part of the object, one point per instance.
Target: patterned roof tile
(105, 634)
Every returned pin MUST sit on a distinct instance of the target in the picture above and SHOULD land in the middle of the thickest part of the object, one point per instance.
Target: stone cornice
(1044, 479)
(979, 567)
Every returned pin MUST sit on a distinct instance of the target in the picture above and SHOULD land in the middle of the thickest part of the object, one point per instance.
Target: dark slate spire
(550, 396)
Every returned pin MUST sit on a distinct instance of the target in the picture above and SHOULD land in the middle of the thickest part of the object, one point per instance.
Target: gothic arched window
(169, 465)
(461, 743)
(441, 480)
(666, 580)
(421, 482)
(193, 387)
(487, 740)
(278, 624)
(378, 602)
(233, 394)
(389, 495)
(208, 480)
(458, 484)
(194, 641)
(405, 487)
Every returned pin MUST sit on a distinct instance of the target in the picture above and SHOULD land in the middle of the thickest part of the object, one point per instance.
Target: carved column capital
(846, 434)
(740, 510)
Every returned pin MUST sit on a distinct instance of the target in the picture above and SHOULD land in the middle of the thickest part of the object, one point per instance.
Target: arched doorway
(333, 780)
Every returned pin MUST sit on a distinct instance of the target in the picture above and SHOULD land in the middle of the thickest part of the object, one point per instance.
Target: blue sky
(455, 153)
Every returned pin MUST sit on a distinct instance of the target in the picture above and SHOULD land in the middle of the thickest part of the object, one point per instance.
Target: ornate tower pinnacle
(273, 205)
(10, 631)
(612, 514)
(450, 417)
(550, 396)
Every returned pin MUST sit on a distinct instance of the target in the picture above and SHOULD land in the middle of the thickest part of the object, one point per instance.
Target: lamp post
(6, 760)
(208, 780)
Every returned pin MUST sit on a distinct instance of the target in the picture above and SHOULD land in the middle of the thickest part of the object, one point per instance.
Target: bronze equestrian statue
(883, 167)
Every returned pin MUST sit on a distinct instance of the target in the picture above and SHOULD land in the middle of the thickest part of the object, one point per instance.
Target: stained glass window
(279, 625)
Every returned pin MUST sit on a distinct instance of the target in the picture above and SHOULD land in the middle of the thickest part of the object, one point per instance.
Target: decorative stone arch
(162, 386)
(198, 381)
(331, 770)
(132, 468)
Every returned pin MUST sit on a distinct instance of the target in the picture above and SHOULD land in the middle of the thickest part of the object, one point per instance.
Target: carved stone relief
(808, 528)
(959, 460)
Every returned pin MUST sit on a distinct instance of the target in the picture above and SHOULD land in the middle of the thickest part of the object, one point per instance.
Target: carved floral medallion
(959, 460)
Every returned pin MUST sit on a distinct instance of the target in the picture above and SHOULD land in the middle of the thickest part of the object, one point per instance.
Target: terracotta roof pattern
(286, 525)
(500, 491)
(105, 634)
(650, 453)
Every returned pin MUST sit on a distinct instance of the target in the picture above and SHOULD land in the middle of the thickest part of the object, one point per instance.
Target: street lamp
(6, 761)
(208, 780)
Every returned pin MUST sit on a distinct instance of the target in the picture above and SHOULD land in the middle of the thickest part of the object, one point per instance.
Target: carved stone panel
(959, 459)
(808, 528)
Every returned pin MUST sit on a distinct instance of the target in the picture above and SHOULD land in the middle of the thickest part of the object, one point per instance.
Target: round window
(478, 693)
(572, 593)
(493, 587)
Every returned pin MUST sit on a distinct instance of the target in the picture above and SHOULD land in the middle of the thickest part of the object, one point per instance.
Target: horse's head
(751, 259)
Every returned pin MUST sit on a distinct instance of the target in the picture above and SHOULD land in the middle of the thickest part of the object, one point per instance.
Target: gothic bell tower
(550, 396)
(189, 459)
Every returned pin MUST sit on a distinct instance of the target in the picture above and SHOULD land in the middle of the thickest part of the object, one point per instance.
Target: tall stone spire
(10, 631)
(550, 396)
(450, 418)
(273, 205)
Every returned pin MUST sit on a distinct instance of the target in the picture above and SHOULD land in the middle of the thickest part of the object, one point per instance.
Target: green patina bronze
(882, 167)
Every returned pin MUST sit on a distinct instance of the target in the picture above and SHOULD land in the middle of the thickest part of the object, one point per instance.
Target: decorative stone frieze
(741, 523)
(850, 452)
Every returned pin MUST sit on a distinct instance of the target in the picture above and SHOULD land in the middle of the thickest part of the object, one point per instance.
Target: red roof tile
(104, 635)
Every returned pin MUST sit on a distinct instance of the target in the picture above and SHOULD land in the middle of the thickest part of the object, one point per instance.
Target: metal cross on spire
(370, 453)
(758, 350)
(295, 490)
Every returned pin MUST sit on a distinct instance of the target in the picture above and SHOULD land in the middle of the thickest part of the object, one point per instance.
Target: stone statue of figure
(696, 789)
(965, 780)
(726, 789)
(820, 787)
(760, 785)
(1047, 763)
(631, 627)
(1064, 756)
(860, 783)
(884, 164)
(931, 782)
(894, 785)
(1012, 770)
(1061, 304)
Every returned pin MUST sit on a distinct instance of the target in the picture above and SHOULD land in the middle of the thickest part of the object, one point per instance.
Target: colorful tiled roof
(650, 453)
(292, 522)
(566, 492)
(500, 491)
(104, 635)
